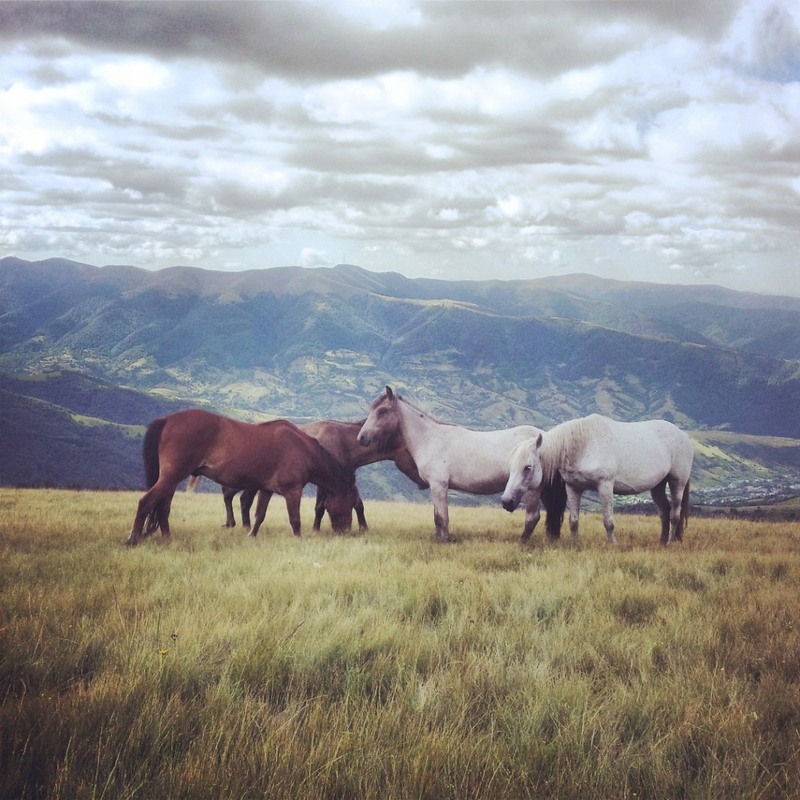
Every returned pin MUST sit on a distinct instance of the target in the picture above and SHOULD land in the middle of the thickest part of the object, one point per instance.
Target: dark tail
(684, 523)
(554, 499)
(150, 450)
(152, 438)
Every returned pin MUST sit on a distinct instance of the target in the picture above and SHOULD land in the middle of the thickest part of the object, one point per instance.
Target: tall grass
(385, 666)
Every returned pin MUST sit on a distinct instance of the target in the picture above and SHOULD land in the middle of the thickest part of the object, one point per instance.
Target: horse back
(474, 461)
(340, 439)
(187, 436)
(304, 459)
(639, 449)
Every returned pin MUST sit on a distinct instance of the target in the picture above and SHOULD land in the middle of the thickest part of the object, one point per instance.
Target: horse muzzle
(510, 504)
(364, 439)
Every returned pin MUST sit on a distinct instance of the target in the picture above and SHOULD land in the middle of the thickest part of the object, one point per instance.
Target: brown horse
(272, 457)
(340, 439)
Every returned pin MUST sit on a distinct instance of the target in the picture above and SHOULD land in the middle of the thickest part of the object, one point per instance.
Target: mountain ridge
(307, 344)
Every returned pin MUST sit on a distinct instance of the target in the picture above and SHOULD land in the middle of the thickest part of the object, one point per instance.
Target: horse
(451, 457)
(609, 457)
(331, 503)
(274, 457)
(340, 439)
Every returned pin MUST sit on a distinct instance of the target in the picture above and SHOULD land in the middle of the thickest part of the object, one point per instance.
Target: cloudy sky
(635, 140)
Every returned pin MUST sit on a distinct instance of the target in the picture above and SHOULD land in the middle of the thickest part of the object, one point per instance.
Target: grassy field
(385, 666)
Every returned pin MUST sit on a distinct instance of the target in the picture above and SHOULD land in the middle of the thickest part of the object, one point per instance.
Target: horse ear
(389, 393)
(539, 440)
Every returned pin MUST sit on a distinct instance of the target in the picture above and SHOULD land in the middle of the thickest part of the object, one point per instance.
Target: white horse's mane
(422, 412)
(566, 442)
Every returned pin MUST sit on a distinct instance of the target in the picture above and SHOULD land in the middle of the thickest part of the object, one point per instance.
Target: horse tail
(152, 438)
(554, 499)
(684, 521)
(191, 484)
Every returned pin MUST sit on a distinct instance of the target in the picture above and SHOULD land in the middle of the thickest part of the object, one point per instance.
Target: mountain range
(88, 355)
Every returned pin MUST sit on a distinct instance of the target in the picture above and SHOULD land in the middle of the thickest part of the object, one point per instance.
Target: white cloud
(447, 137)
(311, 257)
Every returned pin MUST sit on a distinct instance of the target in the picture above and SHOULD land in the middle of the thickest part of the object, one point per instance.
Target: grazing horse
(273, 457)
(340, 439)
(611, 458)
(450, 457)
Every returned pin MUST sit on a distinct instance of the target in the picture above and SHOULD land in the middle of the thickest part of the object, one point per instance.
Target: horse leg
(319, 508)
(246, 503)
(358, 507)
(574, 507)
(606, 492)
(157, 499)
(162, 511)
(532, 513)
(151, 523)
(441, 515)
(292, 498)
(676, 492)
(659, 495)
(261, 511)
(228, 493)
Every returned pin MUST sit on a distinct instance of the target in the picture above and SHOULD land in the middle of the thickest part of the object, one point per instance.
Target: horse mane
(342, 474)
(566, 442)
(424, 413)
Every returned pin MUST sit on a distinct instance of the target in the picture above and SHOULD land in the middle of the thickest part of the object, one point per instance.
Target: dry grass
(387, 666)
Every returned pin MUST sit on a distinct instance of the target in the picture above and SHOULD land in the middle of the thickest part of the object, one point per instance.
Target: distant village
(754, 497)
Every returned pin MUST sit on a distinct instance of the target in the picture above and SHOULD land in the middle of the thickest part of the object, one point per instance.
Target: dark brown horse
(340, 439)
(274, 457)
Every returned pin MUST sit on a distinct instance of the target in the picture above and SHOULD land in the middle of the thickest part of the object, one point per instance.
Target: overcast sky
(640, 140)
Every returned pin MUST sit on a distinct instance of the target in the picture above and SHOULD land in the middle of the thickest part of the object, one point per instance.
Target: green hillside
(122, 345)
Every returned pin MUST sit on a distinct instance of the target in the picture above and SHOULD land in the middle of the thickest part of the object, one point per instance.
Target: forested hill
(307, 344)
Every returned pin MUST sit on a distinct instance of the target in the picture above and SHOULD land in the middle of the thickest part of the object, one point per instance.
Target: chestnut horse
(274, 457)
(340, 439)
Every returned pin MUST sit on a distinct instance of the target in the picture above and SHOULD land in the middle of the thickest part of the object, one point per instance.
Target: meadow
(386, 666)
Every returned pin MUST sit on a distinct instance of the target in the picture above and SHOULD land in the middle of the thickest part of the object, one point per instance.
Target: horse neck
(340, 439)
(416, 426)
(380, 449)
(330, 473)
(563, 445)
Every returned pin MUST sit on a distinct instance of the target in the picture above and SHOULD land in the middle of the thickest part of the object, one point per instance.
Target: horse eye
(527, 468)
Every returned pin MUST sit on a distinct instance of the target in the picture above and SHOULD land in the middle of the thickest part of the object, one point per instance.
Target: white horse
(450, 457)
(610, 457)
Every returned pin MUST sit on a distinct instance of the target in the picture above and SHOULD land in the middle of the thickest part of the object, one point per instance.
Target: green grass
(385, 666)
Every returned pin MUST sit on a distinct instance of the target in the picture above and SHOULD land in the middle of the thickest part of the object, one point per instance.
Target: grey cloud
(307, 191)
(206, 131)
(150, 180)
(309, 40)
(469, 148)
(672, 153)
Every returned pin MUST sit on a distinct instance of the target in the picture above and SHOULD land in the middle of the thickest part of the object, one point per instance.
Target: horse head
(383, 421)
(340, 506)
(525, 472)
